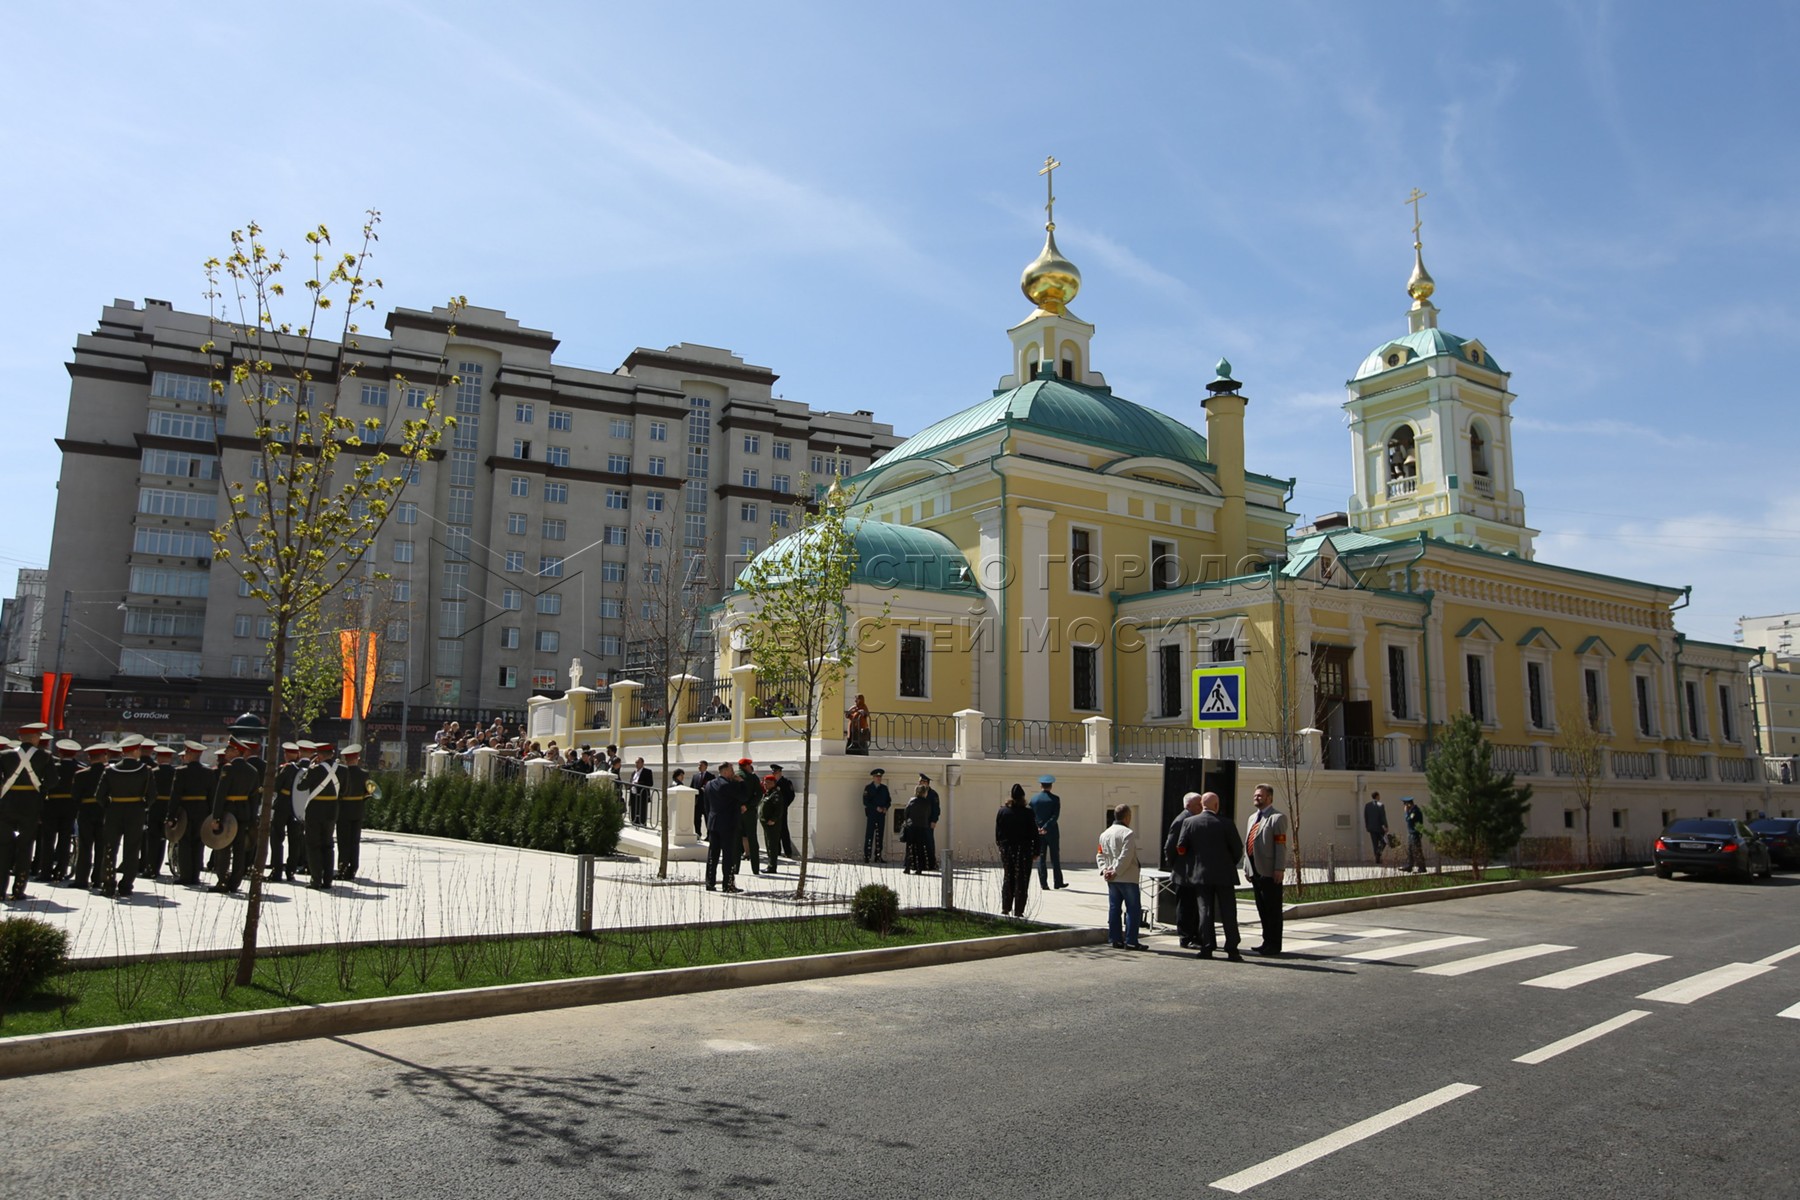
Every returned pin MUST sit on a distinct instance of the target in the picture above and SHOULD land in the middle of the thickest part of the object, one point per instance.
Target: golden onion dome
(1051, 281)
(1420, 286)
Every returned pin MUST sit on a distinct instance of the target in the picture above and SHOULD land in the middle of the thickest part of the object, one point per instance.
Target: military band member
(125, 790)
(287, 841)
(192, 798)
(56, 828)
(319, 786)
(88, 817)
(237, 794)
(157, 810)
(25, 772)
(353, 795)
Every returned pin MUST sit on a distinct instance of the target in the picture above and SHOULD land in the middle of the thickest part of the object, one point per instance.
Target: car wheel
(1665, 872)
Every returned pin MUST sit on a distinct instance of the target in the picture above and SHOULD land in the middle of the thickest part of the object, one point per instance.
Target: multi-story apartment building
(1777, 685)
(529, 539)
(23, 621)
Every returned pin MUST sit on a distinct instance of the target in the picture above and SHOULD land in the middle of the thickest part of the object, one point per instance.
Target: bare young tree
(1584, 753)
(324, 483)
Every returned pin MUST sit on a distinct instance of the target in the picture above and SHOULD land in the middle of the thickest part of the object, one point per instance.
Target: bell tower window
(1478, 450)
(1402, 463)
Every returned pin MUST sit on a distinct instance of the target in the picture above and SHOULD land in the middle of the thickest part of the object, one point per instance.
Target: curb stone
(38, 1053)
(1326, 908)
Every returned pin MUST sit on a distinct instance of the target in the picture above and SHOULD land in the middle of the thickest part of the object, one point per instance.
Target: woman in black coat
(1015, 832)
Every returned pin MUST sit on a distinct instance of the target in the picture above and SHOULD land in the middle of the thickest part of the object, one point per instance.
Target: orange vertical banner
(347, 650)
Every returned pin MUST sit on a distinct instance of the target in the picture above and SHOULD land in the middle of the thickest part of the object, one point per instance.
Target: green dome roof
(1426, 343)
(889, 556)
(1091, 415)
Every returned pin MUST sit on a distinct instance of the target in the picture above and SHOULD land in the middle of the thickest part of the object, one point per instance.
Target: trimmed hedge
(558, 814)
(31, 951)
(875, 907)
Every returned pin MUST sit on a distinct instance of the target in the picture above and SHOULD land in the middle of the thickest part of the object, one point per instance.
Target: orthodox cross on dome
(1413, 200)
(1047, 171)
(1421, 285)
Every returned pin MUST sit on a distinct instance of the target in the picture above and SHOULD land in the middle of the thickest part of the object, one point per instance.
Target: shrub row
(556, 814)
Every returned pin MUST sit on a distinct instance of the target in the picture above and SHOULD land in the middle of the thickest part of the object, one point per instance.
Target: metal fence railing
(1633, 764)
(912, 733)
(708, 700)
(1357, 752)
(778, 696)
(1263, 748)
(1153, 743)
(1011, 737)
(1686, 767)
(1515, 760)
(1739, 770)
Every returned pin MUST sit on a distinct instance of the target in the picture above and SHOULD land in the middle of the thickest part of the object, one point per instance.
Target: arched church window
(1402, 458)
(1478, 450)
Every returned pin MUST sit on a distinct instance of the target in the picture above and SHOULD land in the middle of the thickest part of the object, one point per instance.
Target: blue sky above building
(849, 196)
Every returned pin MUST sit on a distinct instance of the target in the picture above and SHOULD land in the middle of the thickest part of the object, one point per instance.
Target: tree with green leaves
(1474, 812)
(796, 624)
(322, 483)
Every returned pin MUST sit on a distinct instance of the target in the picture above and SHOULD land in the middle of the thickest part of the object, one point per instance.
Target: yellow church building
(1055, 561)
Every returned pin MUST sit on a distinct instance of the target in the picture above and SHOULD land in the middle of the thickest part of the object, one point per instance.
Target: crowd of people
(104, 816)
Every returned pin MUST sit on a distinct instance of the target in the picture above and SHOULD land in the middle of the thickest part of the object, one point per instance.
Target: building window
(912, 666)
(752, 478)
(612, 572)
(556, 493)
(181, 425)
(548, 641)
(611, 608)
(1696, 716)
(748, 512)
(171, 543)
(555, 529)
(1165, 567)
(619, 464)
(515, 560)
(781, 483)
(1084, 573)
(398, 631)
(618, 498)
(509, 677)
(1168, 680)
(510, 598)
(652, 572)
(550, 566)
(556, 456)
(1085, 664)
(417, 397)
(163, 502)
(406, 513)
(778, 517)
(151, 622)
(240, 625)
(550, 604)
(647, 610)
(659, 431)
(693, 531)
(1475, 669)
(375, 395)
(1594, 691)
(615, 535)
(747, 547)
(1399, 702)
(653, 537)
(403, 552)
(658, 465)
(1726, 729)
(753, 443)
(515, 522)
(170, 386)
(509, 637)
(559, 420)
(654, 501)
(1646, 708)
(699, 464)
(782, 450)
(402, 591)
(521, 448)
(522, 412)
(521, 485)
(607, 645)
(543, 680)
(1537, 707)
(619, 427)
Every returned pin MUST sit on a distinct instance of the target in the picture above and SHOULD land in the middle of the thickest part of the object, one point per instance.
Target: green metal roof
(1304, 551)
(1091, 415)
(891, 556)
(1536, 632)
(1426, 343)
(1595, 642)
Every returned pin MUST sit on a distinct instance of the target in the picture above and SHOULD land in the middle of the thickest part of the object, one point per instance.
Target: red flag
(48, 698)
(63, 686)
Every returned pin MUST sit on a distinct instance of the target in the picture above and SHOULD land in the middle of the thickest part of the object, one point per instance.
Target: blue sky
(848, 199)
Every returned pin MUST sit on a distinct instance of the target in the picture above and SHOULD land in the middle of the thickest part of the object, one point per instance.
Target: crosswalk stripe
(1696, 987)
(1775, 958)
(1576, 976)
(1546, 1053)
(1793, 1012)
(1498, 958)
(1385, 953)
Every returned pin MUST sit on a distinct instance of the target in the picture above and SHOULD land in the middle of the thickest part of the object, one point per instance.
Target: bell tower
(1431, 433)
(1052, 340)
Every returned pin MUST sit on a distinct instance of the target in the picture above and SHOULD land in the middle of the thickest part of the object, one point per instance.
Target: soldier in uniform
(238, 794)
(87, 816)
(287, 845)
(192, 797)
(353, 795)
(25, 774)
(752, 789)
(56, 828)
(157, 811)
(124, 791)
(319, 787)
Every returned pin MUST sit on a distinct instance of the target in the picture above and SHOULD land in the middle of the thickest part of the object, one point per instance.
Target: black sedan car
(1712, 846)
(1782, 836)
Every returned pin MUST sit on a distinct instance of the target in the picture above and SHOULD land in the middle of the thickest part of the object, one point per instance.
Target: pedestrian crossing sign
(1219, 698)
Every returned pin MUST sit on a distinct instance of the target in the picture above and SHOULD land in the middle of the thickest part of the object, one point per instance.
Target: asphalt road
(1081, 1073)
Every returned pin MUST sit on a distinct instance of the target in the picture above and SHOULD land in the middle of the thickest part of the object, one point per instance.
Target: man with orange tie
(1265, 862)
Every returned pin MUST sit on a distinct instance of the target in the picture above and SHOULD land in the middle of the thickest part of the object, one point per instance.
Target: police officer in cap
(353, 796)
(238, 795)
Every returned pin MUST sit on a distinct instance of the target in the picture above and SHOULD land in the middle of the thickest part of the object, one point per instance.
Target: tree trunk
(264, 814)
(662, 857)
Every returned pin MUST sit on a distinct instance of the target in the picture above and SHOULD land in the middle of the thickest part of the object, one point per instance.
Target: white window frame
(1542, 660)
(1409, 648)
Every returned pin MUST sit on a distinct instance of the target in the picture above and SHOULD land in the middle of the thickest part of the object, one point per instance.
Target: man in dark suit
(643, 781)
(724, 812)
(1181, 874)
(1210, 849)
(1265, 861)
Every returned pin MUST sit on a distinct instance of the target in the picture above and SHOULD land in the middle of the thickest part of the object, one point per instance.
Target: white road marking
(1576, 976)
(1331, 1143)
(1408, 948)
(1498, 958)
(1304, 927)
(1793, 1012)
(1546, 1053)
(1697, 987)
(1775, 958)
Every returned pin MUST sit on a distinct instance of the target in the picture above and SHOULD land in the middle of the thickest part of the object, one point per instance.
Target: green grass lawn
(88, 997)
(1354, 889)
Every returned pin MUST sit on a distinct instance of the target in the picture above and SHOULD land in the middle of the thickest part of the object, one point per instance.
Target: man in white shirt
(1117, 858)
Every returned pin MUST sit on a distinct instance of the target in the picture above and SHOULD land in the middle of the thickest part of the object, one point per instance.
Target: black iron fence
(1356, 752)
(708, 700)
(778, 695)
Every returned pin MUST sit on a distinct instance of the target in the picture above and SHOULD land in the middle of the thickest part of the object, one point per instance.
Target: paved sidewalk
(420, 887)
